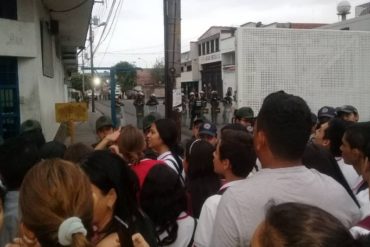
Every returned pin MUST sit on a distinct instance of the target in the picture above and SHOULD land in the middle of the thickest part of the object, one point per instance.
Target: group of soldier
(139, 104)
(196, 106)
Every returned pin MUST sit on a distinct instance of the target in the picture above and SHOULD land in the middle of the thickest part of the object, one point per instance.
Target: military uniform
(215, 110)
(139, 106)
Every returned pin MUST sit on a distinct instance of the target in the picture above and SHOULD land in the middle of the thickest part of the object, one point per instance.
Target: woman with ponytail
(117, 216)
(131, 144)
(56, 206)
(163, 139)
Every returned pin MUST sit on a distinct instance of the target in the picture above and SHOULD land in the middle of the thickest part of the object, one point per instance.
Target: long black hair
(169, 134)
(322, 160)
(108, 171)
(163, 198)
(202, 182)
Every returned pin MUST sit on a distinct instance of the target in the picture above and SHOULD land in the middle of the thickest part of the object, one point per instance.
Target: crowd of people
(285, 178)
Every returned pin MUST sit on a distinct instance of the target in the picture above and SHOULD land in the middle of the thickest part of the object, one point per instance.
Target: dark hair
(358, 136)
(17, 156)
(108, 171)
(237, 147)
(313, 119)
(202, 181)
(52, 149)
(2, 193)
(168, 132)
(334, 133)
(286, 121)
(34, 136)
(163, 198)
(234, 126)
(77, 152)
(295, 224)
(319, 158)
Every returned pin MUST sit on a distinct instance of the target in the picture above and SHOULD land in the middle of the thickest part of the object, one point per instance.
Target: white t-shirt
(207, 217)
(184, 232)
(349, 173)
(242, 208)
(168, 158)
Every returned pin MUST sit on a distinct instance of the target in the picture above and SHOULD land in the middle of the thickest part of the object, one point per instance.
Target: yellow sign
(65, 112)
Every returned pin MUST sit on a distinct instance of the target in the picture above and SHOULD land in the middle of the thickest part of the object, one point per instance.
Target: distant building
(148, 84)
(38, 53)
(190, 74)
(361, 21)
(210, 63)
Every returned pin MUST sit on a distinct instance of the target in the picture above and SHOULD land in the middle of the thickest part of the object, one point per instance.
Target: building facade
(38, 53)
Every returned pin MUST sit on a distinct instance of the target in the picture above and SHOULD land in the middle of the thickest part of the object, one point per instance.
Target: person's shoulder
(211, 201)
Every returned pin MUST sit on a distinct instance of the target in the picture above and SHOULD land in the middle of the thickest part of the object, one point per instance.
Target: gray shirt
(242, 208)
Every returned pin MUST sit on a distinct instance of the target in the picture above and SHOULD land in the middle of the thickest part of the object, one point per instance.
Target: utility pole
(172, 49)
(92, 67)
(83, 74)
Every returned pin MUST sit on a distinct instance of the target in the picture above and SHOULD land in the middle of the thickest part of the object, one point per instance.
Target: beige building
(38, 53)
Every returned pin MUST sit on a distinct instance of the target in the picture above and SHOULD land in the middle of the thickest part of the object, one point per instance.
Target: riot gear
(215, 110)
(139, 106)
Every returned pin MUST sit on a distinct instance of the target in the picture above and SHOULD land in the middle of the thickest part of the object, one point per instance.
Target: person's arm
(108, 140)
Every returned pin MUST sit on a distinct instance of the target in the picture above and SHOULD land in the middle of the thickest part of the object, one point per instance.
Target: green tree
(158, 72)
(126, 75)
(76, 81)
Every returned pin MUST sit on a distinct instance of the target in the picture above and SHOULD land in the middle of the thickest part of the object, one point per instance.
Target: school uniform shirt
(361, 228)
(185, 231)
(349, 173)
(168, 158)
(207, 217)
(242, 207)
(363, 198)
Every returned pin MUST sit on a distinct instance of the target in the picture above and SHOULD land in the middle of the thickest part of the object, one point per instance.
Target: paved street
(129, 116)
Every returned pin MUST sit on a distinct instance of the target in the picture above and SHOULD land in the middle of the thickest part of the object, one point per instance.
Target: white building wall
(324, 67)
(194, 61)
(38, 93)
(229, 79)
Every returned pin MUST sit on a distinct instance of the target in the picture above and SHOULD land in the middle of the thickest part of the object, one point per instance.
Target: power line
(114, 23)
(69, 9)
(107, 24)
(114, 28)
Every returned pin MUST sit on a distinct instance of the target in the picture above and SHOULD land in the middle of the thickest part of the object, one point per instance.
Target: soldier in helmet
(191, 104)
(215, 110)
(197, 109)
(139, 105)
(152, 103)
(184, 105)
(227, 103)
(203, 100)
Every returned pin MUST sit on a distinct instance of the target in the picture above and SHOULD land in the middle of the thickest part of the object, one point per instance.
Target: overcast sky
(137, 36)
